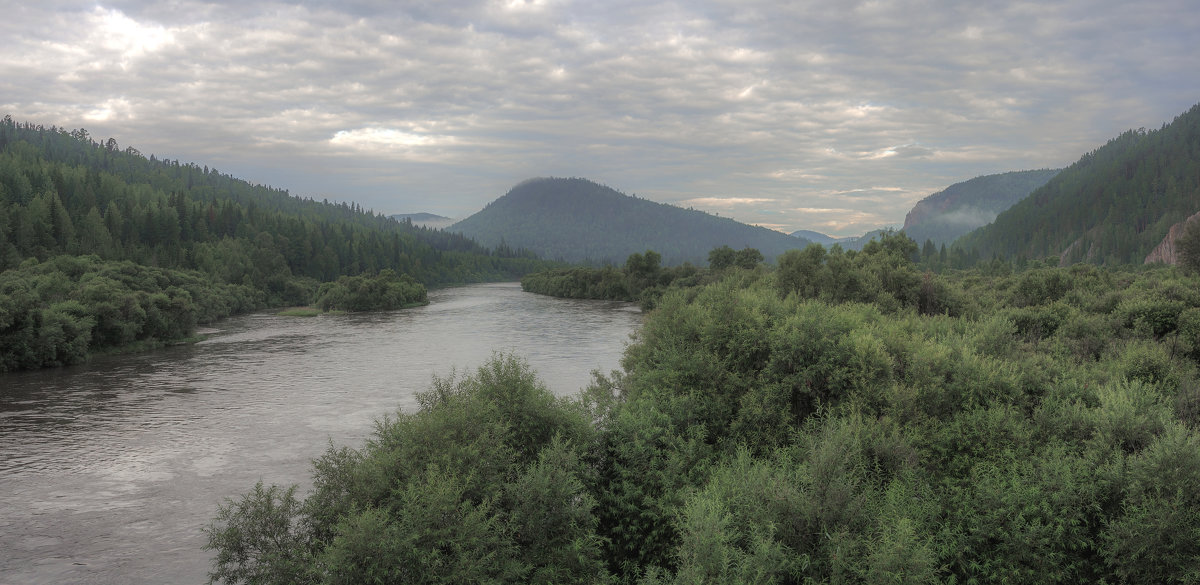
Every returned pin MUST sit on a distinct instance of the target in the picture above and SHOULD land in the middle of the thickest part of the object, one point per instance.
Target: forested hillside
(64, 194)
(577, 220)
(962, 207)
(1113, 206)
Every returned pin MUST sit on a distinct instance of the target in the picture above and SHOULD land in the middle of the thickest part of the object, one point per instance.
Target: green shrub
(1155, 316)
(1147, 362)
(485, 483)
(1129, 416)
(1041, 286)
(1155, 537)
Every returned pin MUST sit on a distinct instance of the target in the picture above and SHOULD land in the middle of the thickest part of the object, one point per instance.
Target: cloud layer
(832, 116)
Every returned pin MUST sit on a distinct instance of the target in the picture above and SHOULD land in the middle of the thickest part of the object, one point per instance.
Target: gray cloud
(818, 115)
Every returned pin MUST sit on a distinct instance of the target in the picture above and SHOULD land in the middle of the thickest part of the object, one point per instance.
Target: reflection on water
(108, 470)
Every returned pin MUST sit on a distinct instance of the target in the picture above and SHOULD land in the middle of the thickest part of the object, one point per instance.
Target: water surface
(109, 470)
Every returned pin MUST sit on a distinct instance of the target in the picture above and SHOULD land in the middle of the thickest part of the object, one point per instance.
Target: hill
(847, 242)
(429, 220)
(962, 207)
(577, 220)
(1113, 206)
(818, 237)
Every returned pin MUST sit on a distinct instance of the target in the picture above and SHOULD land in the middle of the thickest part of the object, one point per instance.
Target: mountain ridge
(578, 220)
(954, 211)
(1113, 206)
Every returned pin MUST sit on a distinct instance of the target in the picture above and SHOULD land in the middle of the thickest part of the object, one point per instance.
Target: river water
(109, 470)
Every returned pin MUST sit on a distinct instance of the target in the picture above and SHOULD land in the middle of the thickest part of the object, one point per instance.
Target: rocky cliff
(1165, 251)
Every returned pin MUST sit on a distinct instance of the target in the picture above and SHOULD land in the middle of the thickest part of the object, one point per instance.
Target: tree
(721, 258)
(1187, 246)
(800, 271)
(747, 258)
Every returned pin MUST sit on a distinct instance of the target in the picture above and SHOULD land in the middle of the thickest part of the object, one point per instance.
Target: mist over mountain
(428, 220)
(1113, 206)
(818, 237)
(944, 216)
(578, 220)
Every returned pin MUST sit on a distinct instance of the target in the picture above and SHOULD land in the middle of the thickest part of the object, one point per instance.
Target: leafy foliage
(54, 313)
(488, 482)
(382, 292)
(641, 279)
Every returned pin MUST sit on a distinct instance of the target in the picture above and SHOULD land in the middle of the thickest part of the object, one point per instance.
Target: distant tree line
(642, 278)
(56, 312)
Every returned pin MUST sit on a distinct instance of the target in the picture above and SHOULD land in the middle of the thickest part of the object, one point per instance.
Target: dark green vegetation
(844, 418)
(210, 243)
(642, 278)
(962, 207)
(1111, 207)
(1188, 246)
(576, 220)
(488, 482)
(382, 292)
(54, 313)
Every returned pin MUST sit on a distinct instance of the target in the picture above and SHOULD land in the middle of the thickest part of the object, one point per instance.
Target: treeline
(642, 279)
(814, 423)
(55, 313)
(65, 194)
(882, 272)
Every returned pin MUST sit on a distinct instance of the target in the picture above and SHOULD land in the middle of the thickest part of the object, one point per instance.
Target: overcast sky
(833, 116)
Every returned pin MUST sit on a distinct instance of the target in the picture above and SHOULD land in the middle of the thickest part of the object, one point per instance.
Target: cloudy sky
(834, 116)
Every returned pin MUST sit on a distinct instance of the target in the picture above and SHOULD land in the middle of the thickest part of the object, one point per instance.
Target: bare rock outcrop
(1164, 252)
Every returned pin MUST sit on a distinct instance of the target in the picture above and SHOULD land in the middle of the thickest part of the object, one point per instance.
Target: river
(109, 470)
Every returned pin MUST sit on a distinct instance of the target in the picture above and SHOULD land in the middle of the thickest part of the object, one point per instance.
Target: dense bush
(642, 279)
(487, 482)
(55, 312)
(381, 292)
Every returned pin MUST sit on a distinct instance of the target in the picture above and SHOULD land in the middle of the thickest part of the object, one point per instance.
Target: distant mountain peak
(578, 220)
